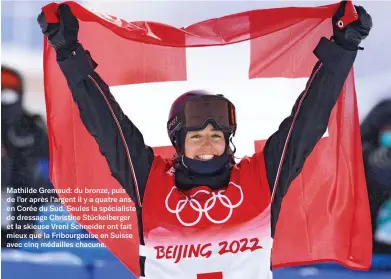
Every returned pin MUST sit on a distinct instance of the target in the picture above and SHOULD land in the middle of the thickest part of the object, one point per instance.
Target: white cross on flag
(261, 61)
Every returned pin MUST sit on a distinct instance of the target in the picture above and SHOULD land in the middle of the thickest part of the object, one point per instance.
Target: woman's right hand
(62, 35)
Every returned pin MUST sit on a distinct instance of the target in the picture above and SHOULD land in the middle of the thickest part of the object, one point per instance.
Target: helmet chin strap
(206, 167)
(183, 162)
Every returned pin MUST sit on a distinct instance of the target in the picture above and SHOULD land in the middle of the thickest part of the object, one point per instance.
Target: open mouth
(205, 157)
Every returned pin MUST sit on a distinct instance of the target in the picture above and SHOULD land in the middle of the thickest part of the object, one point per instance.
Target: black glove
(63, 35)
(351, 35)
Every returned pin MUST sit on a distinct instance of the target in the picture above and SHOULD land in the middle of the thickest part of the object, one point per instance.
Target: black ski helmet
(194, 109)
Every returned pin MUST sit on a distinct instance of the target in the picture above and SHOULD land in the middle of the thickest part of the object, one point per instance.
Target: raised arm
(119, 140)
(311, 112)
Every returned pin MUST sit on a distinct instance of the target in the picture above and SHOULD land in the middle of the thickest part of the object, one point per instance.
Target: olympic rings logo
(209, 204)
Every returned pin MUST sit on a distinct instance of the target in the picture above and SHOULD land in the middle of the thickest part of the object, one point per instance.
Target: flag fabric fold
(325, 215)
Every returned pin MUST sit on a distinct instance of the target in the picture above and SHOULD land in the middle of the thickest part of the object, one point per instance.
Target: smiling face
(205, 144)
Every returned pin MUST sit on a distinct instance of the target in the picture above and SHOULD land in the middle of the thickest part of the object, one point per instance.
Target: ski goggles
(196, 113)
